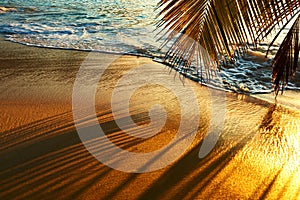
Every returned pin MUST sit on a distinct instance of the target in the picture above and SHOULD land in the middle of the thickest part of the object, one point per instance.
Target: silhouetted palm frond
(286, 60)
(223, 27)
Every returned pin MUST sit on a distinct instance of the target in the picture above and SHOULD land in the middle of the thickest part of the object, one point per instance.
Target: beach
(42, 156)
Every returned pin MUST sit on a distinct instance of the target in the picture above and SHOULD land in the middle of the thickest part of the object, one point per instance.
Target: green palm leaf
(224, 28)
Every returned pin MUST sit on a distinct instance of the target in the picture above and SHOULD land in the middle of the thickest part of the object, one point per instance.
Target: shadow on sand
(46, 160)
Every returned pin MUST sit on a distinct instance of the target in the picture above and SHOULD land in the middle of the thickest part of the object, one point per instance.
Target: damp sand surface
(42, 156)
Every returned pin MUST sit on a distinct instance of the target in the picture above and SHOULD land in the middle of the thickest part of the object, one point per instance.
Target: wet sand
(42, 156)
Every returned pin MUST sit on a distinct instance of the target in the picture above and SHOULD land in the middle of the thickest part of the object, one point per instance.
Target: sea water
(121, 26)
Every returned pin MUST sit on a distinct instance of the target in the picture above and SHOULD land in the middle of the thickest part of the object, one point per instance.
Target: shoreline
(288, 99)
(73, 49)
(42, 156)
(259, 94)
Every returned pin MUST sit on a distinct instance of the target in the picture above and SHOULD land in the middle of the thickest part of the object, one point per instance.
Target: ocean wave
(123, 28)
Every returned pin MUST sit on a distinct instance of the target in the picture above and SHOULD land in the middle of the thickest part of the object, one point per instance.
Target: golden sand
(42, 157)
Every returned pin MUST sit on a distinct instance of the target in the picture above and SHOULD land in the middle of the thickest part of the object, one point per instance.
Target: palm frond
(286, 60)
(223, 27)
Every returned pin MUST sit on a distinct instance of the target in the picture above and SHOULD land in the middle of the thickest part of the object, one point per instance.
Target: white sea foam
(119, 27)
